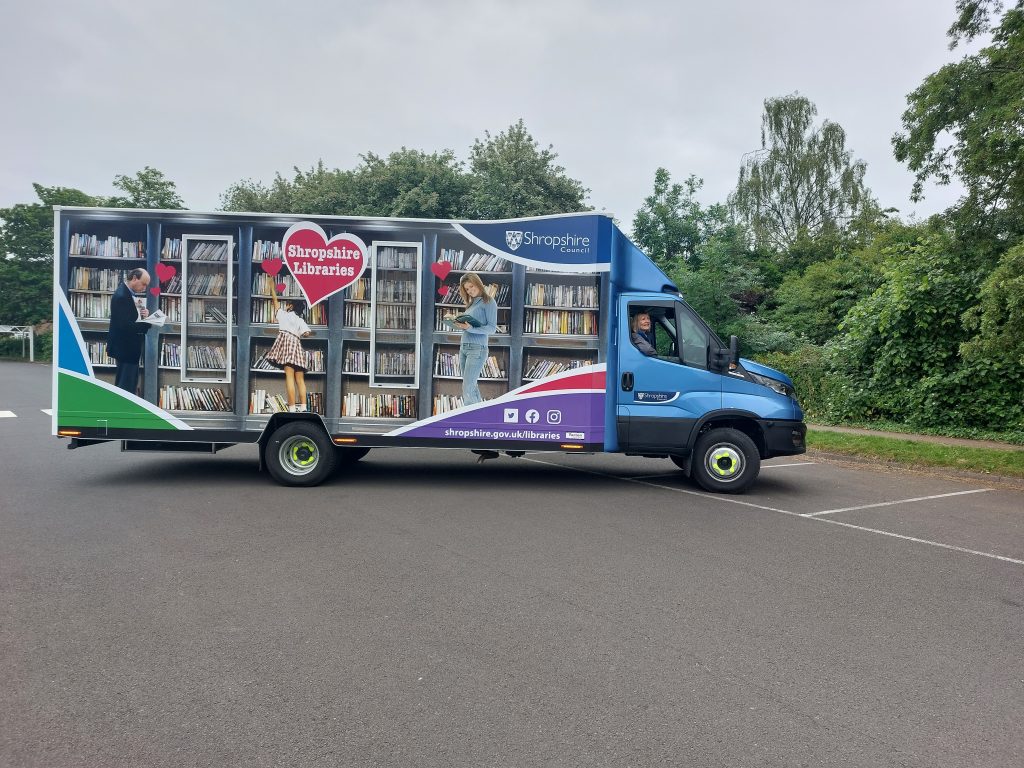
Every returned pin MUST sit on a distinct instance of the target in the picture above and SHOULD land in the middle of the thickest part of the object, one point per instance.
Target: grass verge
(917, 454)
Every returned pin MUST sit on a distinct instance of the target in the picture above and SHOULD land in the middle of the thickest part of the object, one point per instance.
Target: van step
(172, 446)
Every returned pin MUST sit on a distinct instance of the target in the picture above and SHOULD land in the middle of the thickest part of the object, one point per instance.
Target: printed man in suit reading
(124, 340)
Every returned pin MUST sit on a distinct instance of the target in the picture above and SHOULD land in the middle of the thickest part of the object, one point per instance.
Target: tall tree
(148, 188)
(803, 182)
(411, 183)
(512, 176)
(671, 225)
(967, 119)
(26, 254)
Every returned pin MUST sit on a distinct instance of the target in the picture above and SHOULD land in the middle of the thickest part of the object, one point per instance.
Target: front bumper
(783, 438)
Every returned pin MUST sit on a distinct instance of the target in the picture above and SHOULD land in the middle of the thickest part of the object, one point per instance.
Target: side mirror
(727, 359)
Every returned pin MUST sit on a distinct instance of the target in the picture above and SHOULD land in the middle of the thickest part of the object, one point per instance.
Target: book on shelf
(379, 406)
(395, 257)
(266, 249)
(475, 262)
(447, 364)
(209, 251)
(564, 296)
(178, 398)
(396, 363)
(541, 369)
(561, 322)
(356, 361)
(95, 279)
(446, 404)
(111, 248)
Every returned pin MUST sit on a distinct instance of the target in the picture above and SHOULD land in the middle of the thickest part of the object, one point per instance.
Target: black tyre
(725, 461)
(300, 453)
(346, 456)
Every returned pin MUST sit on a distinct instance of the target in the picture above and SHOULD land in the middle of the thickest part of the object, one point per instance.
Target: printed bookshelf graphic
(386, 313)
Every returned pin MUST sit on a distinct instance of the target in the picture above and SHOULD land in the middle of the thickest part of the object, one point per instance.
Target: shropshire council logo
(513, 239)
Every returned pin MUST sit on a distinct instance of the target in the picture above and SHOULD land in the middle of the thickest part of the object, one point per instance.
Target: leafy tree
(965, 120)
(411, 183)
(510, 175)
(803, 182)
(900, 345)
(317, 191)
(672, 226)
(26, 254)
(148, 188)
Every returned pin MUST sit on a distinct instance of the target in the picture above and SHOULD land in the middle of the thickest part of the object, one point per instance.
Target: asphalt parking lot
(423, 609)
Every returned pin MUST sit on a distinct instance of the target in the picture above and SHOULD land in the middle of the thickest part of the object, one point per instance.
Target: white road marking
(792, 464)
(891, 503)
(7, 415)
(47, 411)
(713, 497)
(717, 497)
(919, 541)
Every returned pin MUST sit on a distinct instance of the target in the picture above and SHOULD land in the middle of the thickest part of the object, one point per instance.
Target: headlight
(773, 384)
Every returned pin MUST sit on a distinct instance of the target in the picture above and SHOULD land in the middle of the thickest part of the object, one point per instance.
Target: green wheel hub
(299, 455)
(724, 462)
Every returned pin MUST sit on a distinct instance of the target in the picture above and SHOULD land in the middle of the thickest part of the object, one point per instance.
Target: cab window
(675, 326)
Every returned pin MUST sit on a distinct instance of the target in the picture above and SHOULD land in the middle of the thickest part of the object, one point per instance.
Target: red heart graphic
(441, 269)
(271, 266)
(281, 287)
(165, 272)
(320, 266)
(443, 290)
(155, 290)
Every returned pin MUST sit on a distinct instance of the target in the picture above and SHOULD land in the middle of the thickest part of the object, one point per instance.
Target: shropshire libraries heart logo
(320, 266)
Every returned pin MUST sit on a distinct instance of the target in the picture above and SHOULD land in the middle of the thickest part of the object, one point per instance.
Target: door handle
(627, 381)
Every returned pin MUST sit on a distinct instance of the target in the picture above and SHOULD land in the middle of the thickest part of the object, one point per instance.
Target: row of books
(111, 248)
(576, 296)
(176, 398)
(396, 318)
(200, 284)
(560, 322)
(98, 353)
(315, 360)
(475, 262)
(542, 368)
(396, 290)
(206, 356)
(266, 249)
(201, 311)
(446, 404)
(262, 401)
(200, 251)
(171, 306)
(447, 364)
(262, 311)
(356, 361)
(95, 279)
(209, 251)
(396, 257)
(357, 316)
(396, 363)
(90, 306)
(262, 284)
(379, 406)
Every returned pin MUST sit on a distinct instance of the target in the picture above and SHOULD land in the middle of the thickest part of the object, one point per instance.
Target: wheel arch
(746, 422)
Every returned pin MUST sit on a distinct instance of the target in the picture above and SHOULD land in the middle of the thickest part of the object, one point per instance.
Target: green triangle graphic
(82, 403)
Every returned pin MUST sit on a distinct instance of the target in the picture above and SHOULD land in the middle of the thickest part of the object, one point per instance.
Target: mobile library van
(391, 357)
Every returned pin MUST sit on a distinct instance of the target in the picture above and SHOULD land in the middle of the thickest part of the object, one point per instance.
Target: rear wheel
(299, 453)
(725, 461)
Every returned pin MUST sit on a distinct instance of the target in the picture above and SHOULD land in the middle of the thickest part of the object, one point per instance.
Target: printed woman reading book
(477, 322)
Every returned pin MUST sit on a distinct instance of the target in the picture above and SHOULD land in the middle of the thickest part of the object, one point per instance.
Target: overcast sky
(214, 92)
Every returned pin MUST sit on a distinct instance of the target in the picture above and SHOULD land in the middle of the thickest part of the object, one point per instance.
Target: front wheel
(725, 461)
(299, 453)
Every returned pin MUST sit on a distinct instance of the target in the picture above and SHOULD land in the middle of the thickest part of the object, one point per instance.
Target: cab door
(661, 397)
